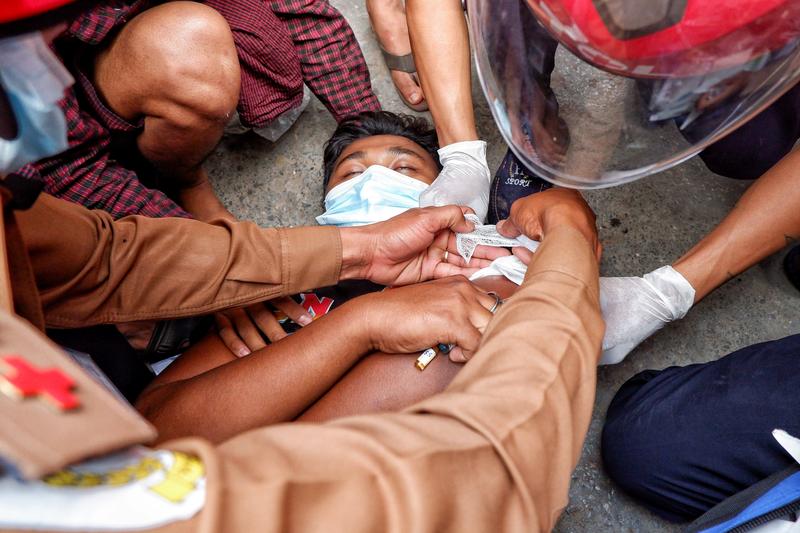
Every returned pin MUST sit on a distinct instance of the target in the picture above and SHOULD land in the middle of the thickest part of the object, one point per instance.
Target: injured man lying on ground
(376, 165)
(345, 361)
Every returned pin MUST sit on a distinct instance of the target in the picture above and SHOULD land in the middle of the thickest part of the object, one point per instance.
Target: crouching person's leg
(175, 66)
(683, 439)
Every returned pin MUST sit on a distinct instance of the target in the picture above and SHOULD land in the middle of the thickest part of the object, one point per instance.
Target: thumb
(449, 217)
(507, 228)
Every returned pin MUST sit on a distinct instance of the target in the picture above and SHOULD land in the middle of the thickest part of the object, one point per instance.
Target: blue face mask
(34, 81)
(378, 194)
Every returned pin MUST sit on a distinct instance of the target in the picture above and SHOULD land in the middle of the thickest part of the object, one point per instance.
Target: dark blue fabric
(512, 181)
(683, 439)
(757, 145)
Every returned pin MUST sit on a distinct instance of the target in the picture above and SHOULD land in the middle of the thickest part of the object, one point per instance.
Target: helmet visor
(592, 113)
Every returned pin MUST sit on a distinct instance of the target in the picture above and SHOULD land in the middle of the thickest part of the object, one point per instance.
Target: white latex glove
(464, 179)
(635, 308)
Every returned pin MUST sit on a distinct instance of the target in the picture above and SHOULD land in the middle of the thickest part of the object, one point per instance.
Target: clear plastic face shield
(635, 87)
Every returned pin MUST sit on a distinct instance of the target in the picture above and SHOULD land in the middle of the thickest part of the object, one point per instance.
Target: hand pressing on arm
(277, 383)
(410, 319)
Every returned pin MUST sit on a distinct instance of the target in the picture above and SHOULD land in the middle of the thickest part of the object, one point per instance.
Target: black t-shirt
(320, 301)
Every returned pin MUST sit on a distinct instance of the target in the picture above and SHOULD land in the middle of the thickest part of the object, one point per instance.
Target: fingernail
(414, 98)
(244, 352)
(304, 320)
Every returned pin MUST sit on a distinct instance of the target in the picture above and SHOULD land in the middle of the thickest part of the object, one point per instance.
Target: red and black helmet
(637, 86)
(677, 38)
(23, 16)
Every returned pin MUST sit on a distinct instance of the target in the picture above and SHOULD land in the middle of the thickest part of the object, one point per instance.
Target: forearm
(766, 218)
(440, 43)
(90, 269)
(272, 385)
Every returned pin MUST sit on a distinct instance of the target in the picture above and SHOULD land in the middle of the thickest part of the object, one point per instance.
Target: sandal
(404, 63)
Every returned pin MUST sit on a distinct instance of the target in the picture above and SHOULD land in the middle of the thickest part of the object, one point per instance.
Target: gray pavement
(642, 225)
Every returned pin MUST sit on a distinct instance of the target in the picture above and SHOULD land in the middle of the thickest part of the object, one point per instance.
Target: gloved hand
(635, 308)
(464, 179)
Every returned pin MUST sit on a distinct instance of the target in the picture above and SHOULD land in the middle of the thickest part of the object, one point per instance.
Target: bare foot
(388, 19)
(199, 199)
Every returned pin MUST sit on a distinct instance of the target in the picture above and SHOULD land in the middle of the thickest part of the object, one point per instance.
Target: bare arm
(766, 218)
(440, 43)
(274, 384)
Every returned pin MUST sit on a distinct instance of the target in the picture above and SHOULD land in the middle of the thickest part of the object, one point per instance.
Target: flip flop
(404, 63)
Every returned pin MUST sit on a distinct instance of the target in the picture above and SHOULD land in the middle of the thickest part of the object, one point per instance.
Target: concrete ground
(643, 225)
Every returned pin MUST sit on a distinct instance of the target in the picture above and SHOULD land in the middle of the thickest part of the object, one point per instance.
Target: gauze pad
(487, 235)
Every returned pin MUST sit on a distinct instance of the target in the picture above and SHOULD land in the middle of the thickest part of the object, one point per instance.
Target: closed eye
(406, 170)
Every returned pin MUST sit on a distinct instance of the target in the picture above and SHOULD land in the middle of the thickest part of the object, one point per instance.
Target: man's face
(391, 151)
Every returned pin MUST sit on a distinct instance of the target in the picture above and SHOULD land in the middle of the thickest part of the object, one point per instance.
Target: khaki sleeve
(494, 452)
(91, 269)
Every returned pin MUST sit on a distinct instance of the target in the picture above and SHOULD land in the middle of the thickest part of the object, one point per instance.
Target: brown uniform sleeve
(493, 452)
(91, 269)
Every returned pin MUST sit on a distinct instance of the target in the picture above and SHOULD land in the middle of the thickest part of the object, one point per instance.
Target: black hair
(371, 123)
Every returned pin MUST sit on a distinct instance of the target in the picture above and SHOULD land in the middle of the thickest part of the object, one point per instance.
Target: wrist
(458, 131)
(557, 216)
(676, 291)
(554, 217)
(472, 153)
(356, 253)
(356, 316)
(697, 274)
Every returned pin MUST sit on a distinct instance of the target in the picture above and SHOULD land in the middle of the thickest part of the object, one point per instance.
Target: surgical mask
(34, 81)
(377, 194)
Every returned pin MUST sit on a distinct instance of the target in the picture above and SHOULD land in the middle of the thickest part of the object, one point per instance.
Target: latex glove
(464, 179)
(635, 308)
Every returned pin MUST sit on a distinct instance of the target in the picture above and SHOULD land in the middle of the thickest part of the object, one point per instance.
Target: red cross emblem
(23, 380)
(315, 305)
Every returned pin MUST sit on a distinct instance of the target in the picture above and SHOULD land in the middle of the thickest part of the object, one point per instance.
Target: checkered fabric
(281, 45)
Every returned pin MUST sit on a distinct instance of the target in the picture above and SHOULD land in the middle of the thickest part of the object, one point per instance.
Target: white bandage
(487, 235)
